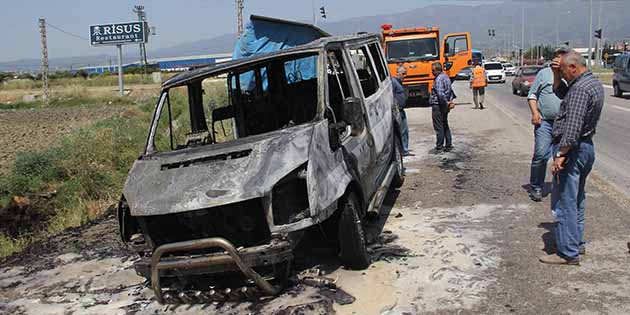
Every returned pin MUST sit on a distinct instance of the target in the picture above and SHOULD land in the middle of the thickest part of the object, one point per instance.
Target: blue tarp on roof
(264, 35)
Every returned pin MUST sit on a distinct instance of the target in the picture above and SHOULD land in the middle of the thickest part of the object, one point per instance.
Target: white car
(509, 68)
(494, 72)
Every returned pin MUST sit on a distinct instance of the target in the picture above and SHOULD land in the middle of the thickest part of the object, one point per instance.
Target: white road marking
(621, 108)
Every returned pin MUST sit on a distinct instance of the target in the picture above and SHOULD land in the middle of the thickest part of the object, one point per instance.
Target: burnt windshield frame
(435, 56)
(150, 147)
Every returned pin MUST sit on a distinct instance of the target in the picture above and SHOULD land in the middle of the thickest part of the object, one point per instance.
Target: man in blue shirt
(544, 105)
(400, 98)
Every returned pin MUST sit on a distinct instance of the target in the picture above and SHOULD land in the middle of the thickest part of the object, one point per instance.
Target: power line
(66, 32)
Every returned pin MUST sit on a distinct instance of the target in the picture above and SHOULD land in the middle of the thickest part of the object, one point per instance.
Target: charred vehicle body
(243, 156)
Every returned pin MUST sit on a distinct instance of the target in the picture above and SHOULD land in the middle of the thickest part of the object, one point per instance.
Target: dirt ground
(24, 130)
(460, 237)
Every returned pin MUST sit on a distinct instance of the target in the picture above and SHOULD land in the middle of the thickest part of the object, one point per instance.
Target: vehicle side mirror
(448, 65)
(353, 114)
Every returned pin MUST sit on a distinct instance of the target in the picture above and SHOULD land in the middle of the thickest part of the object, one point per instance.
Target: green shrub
(86, 169)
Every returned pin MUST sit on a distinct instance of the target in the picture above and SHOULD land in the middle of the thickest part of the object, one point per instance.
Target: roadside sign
(118, 33)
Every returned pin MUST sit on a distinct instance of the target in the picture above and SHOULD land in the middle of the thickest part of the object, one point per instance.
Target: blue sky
(176, 21)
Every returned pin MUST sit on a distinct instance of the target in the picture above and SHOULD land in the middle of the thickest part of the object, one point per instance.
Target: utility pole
(313, 9)
(142, 17)
(522, 32)
(590, 32)
(239, 17)
(42, 30)
(599, 40)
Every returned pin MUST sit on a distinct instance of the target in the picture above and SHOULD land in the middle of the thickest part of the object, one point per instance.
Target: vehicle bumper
(418, 93)
(231, 259)
(496, 78)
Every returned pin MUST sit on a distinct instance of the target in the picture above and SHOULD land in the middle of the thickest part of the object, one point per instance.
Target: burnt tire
(352, 241)
(399, 176)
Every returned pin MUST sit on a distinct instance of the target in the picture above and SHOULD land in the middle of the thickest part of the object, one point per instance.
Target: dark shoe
(582, 250)
(554, 259)
(407, 153)
(448, 148)
(436, 150)
(536, 194)
(481, 106)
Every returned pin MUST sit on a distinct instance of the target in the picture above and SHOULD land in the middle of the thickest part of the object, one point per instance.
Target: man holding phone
(582, 97)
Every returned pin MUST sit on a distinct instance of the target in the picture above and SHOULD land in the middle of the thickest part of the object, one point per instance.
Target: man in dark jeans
(544, 105)
(441, 103)
(400, 98)
(574, 154)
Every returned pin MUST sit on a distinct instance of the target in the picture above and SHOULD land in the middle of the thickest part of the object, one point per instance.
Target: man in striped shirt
(441, 103)
(582, 102)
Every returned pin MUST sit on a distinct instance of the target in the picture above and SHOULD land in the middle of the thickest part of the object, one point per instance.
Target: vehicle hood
(213, 175)
(528, 78)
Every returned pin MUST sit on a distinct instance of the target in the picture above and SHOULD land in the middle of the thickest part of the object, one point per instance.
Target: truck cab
(416, 49)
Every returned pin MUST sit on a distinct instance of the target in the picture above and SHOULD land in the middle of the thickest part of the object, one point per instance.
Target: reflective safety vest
(479, 77)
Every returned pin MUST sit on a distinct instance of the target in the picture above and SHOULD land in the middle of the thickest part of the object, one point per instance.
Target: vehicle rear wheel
(399, 176)
(352, 241)
(514, 91)
(617, 91)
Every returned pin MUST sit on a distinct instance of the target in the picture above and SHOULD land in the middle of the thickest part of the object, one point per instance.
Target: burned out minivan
(243, 156)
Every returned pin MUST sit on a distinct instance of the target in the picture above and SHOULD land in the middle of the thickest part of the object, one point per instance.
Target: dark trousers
(440, 124)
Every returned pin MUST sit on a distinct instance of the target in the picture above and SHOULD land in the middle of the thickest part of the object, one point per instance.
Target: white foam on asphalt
(448, 267)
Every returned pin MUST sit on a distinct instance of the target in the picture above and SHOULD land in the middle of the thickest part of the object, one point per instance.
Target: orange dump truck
(417, 48)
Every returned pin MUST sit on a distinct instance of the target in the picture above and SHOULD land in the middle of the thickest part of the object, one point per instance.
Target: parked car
(464, 74)
(523, 79)
(621, 77)
(509, 68)
(306, 136)
(494, 72)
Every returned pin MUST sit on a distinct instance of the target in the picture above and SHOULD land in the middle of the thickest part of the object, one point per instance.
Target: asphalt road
(612, 141)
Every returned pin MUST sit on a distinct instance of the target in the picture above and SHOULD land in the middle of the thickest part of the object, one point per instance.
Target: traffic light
(493, 32)
(598, 33)
(566, 43)
(489, 32)
(322, 12)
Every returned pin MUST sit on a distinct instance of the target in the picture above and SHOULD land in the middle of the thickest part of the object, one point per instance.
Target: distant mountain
(505, 18)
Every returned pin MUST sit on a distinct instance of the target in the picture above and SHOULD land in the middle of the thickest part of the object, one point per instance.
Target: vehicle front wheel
(399, 176)
(617, 91)
(352, 241)
(521, 92)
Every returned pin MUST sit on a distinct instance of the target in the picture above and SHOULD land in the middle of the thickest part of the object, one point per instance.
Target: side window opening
(338, 87)
(365, 71)
(456, 44)
(377, 56)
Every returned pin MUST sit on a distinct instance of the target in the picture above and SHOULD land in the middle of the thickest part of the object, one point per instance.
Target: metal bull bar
(232, 256)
